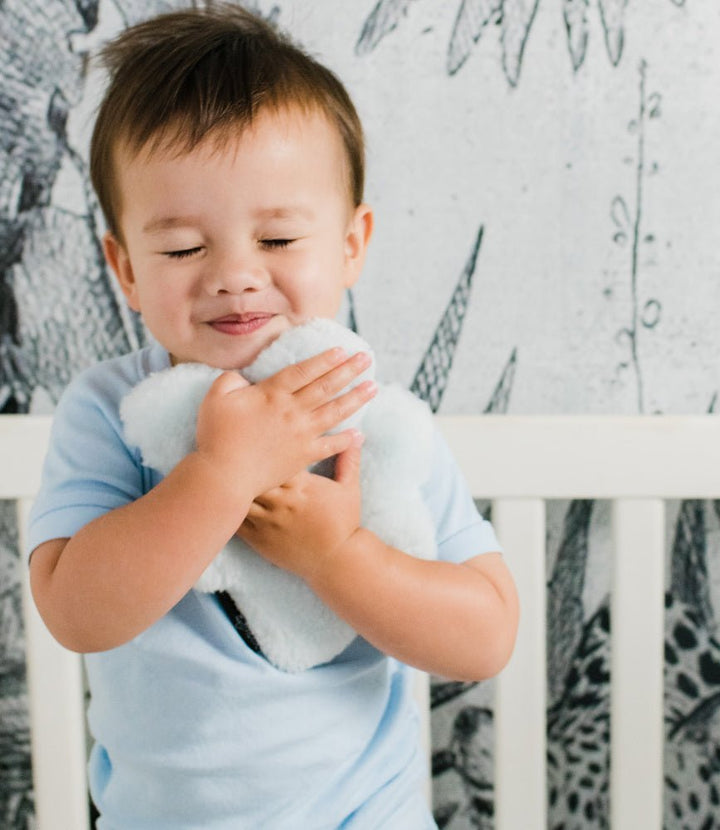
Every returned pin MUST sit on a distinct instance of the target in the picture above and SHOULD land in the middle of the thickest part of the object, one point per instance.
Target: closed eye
(182, 254)
(275, 243)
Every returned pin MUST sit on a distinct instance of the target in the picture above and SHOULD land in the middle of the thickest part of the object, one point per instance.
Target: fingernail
(337, 354)
(358, 438)
(369, 386)
(362, 358)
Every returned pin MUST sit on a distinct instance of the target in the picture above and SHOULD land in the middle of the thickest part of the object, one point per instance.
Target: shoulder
(445, 479)
(89, 468)
(461, 531)
(89, 406)
(107, 382)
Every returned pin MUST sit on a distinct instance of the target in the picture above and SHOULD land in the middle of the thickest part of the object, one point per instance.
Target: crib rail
(518, 463)
(637, 463)
(55, 686)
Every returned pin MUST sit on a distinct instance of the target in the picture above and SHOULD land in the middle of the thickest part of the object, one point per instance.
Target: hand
(262, 435)
(302, 524)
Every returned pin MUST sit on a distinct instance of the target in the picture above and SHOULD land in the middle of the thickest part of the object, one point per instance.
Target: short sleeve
(89, 470)
(461, 532)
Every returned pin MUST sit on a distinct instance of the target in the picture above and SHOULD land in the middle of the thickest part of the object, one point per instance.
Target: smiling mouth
(238, 324)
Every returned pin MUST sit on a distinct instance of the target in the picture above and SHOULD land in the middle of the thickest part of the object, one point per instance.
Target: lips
(238, 324)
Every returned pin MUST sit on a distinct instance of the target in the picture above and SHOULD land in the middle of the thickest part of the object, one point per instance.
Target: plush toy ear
(307, 340)
(303, 341)
(160, 413)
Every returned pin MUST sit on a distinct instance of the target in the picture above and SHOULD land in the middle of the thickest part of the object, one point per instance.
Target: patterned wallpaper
(544, 179)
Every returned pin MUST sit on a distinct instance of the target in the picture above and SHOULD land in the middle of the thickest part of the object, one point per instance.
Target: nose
(236, 273)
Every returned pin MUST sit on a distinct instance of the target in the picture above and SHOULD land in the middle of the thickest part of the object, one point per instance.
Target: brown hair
(180, 76)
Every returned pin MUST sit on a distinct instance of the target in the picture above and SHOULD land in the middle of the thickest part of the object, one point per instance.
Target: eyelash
(273, 244)
(182, 254)
(276, 243)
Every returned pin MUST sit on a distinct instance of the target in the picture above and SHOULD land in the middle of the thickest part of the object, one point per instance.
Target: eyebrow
(164, 223)
(287, 212)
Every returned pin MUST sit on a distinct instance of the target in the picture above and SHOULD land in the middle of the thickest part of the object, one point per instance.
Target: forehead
(294, 135)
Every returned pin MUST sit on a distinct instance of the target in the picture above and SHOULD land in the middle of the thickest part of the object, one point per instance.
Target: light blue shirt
(192, 728)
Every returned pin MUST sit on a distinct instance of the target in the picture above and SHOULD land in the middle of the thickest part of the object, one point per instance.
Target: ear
(118, 259)
(357, 237)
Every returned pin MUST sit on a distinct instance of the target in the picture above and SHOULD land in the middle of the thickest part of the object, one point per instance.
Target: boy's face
(226, 246)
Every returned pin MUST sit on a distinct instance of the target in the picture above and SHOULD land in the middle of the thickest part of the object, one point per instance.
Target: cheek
(164, 299)
(313, 281)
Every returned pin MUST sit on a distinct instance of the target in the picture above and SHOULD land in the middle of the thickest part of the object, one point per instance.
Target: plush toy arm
(396, 462)
(160, 413)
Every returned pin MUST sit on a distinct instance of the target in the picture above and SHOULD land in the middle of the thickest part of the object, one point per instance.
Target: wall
(544, 180)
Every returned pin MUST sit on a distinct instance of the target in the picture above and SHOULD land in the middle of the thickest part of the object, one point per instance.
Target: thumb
(228, 382)
(347, 463)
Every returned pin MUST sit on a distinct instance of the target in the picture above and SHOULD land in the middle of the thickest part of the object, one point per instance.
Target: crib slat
(637, 620)
(421, 696)
(520, 739)
(56, 716)
(23, 442)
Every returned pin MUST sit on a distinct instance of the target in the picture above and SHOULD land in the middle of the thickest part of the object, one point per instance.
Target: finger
(258, 508)
(326, 446)
(299, 375)
(347, 463)
(338, 409)
(266, 501)
(247, 532)
(227, 383)
(329, 385)
(274, 495)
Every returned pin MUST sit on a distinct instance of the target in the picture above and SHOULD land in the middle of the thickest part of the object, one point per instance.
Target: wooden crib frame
(518, 463)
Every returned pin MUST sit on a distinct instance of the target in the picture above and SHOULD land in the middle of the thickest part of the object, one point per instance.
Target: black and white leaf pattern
(383, 19)
(515, 25)
(472, 18)
(576, 26)
(612, 13)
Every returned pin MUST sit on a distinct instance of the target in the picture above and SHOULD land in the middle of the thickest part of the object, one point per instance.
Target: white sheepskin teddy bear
(294, 629)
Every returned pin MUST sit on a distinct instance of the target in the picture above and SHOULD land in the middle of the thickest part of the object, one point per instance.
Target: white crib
(518, 463)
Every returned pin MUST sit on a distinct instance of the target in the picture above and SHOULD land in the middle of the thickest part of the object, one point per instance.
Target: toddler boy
(229, 167)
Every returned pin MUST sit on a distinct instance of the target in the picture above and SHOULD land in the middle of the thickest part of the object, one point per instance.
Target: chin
(262, 343)
(275, 328)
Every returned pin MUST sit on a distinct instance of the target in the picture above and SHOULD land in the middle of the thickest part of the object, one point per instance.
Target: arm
(455, 620)
(122, 571)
